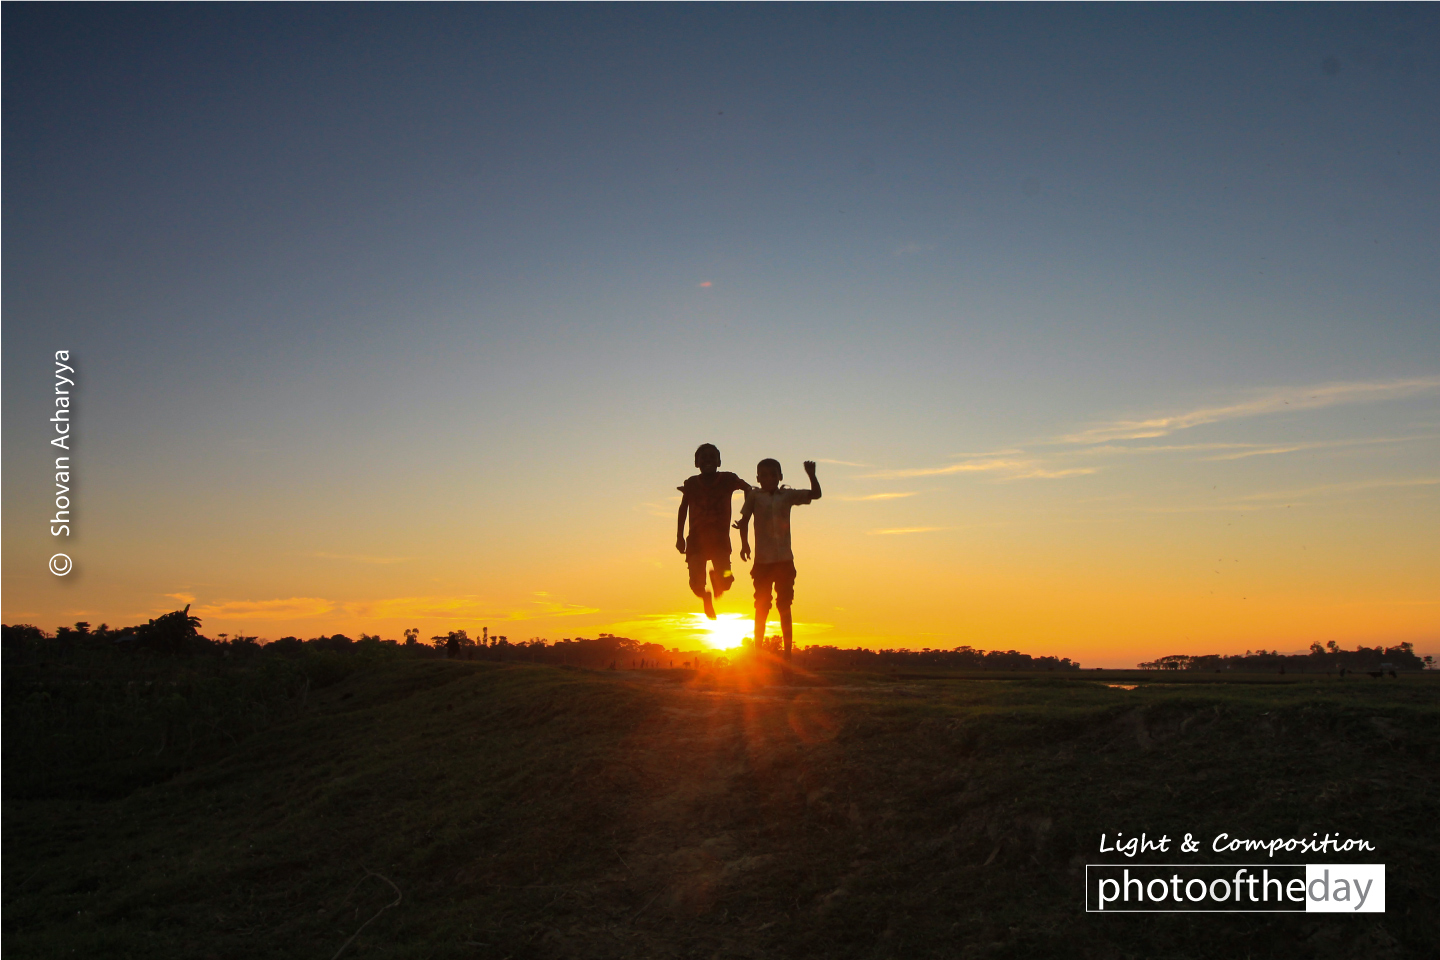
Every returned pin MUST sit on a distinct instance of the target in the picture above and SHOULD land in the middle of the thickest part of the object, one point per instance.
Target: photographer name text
(61, 523)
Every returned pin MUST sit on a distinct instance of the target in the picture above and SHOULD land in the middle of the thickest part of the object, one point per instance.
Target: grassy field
(541, 812)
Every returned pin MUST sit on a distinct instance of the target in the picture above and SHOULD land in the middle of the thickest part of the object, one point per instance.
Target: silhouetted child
(707, 500)
(774, 565)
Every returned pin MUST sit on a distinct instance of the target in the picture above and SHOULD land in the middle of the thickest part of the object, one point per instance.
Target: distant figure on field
(774, 565)
(706, 498)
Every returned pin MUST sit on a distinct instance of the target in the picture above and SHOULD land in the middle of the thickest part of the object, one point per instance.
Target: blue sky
(460, 288)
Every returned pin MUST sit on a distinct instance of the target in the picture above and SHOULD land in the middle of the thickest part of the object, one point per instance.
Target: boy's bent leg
(696, 563)
(721, 578)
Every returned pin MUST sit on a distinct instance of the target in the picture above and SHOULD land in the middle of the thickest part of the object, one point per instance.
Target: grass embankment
(541, 812)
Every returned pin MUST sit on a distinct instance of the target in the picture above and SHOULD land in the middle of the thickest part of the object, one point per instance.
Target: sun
(725, 632)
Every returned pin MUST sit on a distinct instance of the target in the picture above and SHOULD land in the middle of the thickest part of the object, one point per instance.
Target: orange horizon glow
(1162, 547)
(1272, 626)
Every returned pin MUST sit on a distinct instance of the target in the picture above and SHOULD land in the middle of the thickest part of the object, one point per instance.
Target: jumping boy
(707, 500)
(774, 566)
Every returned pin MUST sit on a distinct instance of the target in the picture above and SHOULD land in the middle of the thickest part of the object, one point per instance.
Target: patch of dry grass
(550, 813)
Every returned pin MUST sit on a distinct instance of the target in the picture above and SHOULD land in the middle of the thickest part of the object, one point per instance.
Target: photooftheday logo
(1235, 888)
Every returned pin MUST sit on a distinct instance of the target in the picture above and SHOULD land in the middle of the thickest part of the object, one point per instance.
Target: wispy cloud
(965, 466)
(288, 608)
(1042, 474)
(1083, 452)
(1277, 499)
(1111, 448)
(1308, 398)
(898, 530)
(432, 608)
(908, 249)
(1329, 489)
(1265, 451)
(553, 608)
(846, 463)
(976, 455)
(464, 607)
(1261, 450)
(655, 509)
(362, 558)
(1199, 508)
(1239, 451)
(1003, 469)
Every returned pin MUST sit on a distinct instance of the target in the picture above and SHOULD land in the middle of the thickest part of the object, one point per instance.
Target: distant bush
(959, 658)
(597, 653)
(1320, 659)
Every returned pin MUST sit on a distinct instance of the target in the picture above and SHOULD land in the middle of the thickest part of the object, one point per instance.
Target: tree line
(959, 658)
(1326, 658)
(177, 634)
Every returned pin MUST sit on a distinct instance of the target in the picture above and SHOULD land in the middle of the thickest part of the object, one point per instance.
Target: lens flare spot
(725, 632)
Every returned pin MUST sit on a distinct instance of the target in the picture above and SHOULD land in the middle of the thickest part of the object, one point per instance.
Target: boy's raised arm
(814, 480)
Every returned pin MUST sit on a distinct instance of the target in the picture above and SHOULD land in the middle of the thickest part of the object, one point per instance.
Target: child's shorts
(696, 557)
(781, 575)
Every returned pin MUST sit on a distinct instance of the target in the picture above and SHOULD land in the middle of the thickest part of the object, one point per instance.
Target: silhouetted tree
(453, 642)
(18, 635)
(339, 642)
(174, 634)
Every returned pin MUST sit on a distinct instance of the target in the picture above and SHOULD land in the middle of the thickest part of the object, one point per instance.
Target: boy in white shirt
(774, 565)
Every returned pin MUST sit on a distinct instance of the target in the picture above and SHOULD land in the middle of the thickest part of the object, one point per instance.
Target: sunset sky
(1115, 330)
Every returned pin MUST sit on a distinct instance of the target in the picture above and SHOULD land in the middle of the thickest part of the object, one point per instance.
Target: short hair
(769, 462)
(707, 446)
